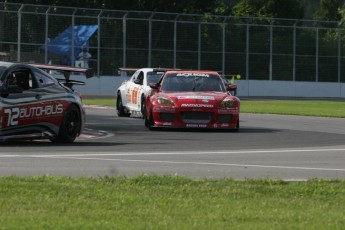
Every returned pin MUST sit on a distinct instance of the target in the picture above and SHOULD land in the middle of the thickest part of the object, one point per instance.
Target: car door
(133, 98)
(52, 98)
(18, 98)
(23, 108)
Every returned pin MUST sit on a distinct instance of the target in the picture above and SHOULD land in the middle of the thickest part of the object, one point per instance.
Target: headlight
(227, 103)
(165, 101)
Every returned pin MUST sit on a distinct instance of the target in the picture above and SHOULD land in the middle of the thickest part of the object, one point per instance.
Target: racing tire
(147, 123)
(71, 125)
(237, 126)
(151, 122)
(119, 107)
(143, 107)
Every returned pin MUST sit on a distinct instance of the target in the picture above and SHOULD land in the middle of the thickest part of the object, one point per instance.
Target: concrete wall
(107, 85)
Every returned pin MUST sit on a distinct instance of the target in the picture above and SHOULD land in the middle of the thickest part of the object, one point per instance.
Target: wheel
(143, 107)
(71, 125)
(237, 126)
(151, 122)
(147, 122)
(119, 107)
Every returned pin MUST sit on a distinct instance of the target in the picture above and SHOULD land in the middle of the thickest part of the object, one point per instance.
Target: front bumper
(210, 119)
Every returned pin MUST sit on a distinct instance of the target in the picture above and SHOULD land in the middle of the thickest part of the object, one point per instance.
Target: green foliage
(328, 10)
(269, 8)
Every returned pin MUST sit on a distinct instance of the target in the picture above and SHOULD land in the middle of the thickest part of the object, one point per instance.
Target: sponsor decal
(196, 97)
(163, 109)
(167, 123)
(193, 74)
(197, 105)
(228, 111)
(14, 114)
(224, 125)
(196, 125)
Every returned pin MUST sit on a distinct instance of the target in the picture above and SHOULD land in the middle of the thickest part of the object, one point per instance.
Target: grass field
(320, 108)
(167, 202)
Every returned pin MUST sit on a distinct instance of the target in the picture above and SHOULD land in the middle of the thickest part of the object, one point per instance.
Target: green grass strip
(286, 107)
(167, 202)
(295, 107)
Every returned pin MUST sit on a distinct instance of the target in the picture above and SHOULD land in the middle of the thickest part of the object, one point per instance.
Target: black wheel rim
(143, 109)
(72, 124)
(119, 104)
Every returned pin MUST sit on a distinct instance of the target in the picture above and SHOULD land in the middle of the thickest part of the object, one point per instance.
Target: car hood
(195, 99)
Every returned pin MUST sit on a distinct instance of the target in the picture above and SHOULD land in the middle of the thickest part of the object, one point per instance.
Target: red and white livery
(132, 93)
(192, 99)
(35, 105)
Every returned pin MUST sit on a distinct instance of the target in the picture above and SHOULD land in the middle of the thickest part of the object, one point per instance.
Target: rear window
(154, 77)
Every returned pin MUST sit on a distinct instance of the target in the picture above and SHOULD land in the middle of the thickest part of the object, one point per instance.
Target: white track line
(86, 154)
(96, 156)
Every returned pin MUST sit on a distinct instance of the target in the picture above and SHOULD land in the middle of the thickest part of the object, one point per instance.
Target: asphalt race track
(267, 146)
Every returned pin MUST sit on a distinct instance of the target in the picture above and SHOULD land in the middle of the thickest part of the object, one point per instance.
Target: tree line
(328, 10)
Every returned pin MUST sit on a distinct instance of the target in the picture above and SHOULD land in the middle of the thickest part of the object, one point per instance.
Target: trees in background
(260, 8)
(269, 8)
(327, 10)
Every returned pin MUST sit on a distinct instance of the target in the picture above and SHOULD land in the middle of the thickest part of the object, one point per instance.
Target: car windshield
(154, 77)
(2, 70)
(192, 82)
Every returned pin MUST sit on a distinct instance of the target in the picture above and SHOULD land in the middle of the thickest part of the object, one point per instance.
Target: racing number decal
(13, 115)
(134, 98)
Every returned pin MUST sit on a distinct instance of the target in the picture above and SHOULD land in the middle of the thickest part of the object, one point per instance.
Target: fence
(256, 48)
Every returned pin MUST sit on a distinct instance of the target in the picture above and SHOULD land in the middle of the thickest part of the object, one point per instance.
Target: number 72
(13, 115)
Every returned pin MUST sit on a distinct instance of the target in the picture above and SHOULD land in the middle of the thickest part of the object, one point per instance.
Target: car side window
(134, 77)
(43, 79)
(22, 79)
(140, 78)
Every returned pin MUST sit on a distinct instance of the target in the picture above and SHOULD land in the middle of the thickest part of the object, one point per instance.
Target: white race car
(132, 93)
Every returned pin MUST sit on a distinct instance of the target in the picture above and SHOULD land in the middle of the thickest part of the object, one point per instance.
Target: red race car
(35, 105)
(192, 99)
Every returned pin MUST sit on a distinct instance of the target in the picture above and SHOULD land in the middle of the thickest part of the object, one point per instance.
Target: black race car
(36, 105)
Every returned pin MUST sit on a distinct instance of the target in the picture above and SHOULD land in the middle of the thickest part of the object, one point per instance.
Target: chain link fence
(256, 48)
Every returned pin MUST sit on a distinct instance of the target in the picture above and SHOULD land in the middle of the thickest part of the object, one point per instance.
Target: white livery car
(132, 93)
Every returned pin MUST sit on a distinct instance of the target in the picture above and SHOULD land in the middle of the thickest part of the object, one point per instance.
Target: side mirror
(232, 88)
(154, 85)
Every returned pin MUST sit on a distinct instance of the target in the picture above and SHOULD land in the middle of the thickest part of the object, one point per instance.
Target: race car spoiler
(123, 71)
(66, 70)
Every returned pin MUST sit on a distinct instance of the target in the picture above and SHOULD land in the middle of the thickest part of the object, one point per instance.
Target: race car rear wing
(66, 70)
(124, 72)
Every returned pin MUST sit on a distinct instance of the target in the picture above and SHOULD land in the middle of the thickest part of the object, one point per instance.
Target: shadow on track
(43, 143)
(241, 130)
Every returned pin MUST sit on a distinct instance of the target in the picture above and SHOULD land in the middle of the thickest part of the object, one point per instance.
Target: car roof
(192, 71)
(6, 64)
